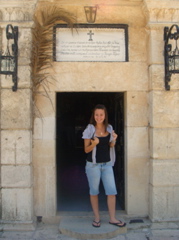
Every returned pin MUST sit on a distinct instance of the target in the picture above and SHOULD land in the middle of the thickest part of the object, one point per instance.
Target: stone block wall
(137, 151)
(164, 116)
(44, 157)
(16, 122)
(0, 123)
(16, 162)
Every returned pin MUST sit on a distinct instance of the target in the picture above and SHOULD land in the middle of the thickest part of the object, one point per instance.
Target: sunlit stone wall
(27, 160)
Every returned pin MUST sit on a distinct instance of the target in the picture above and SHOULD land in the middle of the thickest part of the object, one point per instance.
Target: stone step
(80, 227)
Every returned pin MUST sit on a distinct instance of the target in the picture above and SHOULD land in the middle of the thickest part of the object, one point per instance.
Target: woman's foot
(96, 223)
(118, 223)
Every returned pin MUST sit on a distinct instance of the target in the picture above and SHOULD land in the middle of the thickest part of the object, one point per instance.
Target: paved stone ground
(135, 231)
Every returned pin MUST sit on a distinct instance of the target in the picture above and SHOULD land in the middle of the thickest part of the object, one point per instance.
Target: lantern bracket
(9, 60)
(171, 56)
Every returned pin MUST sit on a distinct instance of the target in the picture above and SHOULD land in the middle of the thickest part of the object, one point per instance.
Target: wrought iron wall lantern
(90, 14)
(171, 53)
(9, 59)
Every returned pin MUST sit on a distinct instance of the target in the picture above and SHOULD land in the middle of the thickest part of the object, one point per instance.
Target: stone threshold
(81, 228)
(79, 225)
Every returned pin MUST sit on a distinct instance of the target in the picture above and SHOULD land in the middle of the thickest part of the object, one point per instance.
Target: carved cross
(90, 35)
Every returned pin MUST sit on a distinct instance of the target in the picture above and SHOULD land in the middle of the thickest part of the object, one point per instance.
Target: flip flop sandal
(96, 224)
(118, 224)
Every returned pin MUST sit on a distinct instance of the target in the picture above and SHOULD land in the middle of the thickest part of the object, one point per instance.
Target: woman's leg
(111, 201)
(95, 207)
(110, 190)
(93, 175)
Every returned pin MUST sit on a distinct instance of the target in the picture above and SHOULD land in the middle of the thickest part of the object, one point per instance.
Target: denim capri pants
(103, 171)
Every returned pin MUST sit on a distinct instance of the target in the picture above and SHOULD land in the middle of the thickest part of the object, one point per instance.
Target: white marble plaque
(90, 44)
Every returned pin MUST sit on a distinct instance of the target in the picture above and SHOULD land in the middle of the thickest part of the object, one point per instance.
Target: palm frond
(42, 44)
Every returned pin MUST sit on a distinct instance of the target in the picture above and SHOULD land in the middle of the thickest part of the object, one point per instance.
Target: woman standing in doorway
(99, 141)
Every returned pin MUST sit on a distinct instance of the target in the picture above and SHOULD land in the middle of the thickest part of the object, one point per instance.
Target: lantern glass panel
(176, 63)
(12, 64)
(7, 64)
(3, 65)
(171, 63)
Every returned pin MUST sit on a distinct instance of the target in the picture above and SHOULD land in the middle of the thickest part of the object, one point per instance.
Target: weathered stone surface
(138, 44)
(45, 128)
(45, 190)
(137, 109)
(137, 142)
(164, 143)
(38, 128)
(174, 82)
(84, 76)
(164, 110)
(164, 173)
(25, 45)
(17, 204)
(71, 226)
(16, 109)
(164, 190)
(156, 46)
(164, 225)
(137, 165)
(156, 82)
(164, 203)
(23, 78)
(137, 181)
(16, 147)
(45, 178)
(16, 176)
(136, 236)
(106, 12)
(43, 153)
(167, 234)
(45, 105)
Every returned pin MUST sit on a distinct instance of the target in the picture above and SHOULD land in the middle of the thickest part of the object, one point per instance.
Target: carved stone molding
(96, 2)
(17, 14)
(164, 14)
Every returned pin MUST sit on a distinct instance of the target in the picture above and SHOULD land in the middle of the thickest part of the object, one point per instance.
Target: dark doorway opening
(73, 113)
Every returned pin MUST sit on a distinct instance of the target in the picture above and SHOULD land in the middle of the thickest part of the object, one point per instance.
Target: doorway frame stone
(136, 156)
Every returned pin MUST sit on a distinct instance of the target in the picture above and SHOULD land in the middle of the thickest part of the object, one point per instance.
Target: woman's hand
(89, 144)
(114, 137)
(95, 141)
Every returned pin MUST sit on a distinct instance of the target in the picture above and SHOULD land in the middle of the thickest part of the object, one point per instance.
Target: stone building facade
(151, 114)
